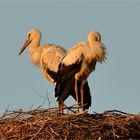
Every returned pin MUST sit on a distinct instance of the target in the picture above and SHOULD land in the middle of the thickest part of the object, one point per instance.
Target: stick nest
(42, 124)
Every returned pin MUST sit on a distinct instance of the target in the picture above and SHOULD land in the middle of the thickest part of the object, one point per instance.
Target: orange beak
(27, 42)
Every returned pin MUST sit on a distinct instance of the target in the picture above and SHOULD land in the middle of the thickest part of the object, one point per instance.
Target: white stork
(46, 56)
(76, 65)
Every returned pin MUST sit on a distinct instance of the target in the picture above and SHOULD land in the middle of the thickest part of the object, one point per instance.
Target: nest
(42, 124)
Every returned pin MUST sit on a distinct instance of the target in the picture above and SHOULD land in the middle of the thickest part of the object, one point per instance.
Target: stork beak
(27, 42)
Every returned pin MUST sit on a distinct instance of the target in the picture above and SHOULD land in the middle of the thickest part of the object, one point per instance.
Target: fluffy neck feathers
(35, 52)
(98, 49)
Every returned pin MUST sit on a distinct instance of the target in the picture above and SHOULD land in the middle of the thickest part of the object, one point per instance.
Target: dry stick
(55, 133)
(75, 125)
(5, 111)
(115, 135)
(38, 131)
(1, 135)
(20, 112)
(114, 110)
(48, 99)
(53, 100)
(69, 108)
(50, 134)
(33, 112)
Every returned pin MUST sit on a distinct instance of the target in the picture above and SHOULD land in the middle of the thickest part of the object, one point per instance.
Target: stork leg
(82, 95)
(77, 100)
(61, 107)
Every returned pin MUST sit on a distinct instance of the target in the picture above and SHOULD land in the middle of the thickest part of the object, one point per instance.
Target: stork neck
(91, 42)
(99, 50)
(35, 43)
(34, 52)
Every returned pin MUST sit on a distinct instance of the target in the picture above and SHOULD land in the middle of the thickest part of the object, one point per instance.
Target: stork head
(33, 35)
(94, 36)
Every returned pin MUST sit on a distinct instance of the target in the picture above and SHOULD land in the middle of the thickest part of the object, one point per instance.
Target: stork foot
(61, 107)
(81, 113)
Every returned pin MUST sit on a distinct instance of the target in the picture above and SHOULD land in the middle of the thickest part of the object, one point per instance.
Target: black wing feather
(65, 77)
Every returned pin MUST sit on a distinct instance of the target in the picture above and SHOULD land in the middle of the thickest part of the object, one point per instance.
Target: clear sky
(114, 85)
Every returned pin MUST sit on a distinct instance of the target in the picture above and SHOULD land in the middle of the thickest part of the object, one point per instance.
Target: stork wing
(51, 73)
(73, 54)
(70, 64)
(65, 78)
(51, 56)
(68, 89)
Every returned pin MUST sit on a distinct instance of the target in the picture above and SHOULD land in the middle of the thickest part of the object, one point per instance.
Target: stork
(46, 56)
(77, 64)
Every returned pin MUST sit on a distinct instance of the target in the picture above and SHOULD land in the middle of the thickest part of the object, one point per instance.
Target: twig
(49, 134)
(55, 133)
(48, 99)
(114, 110)
(69, 108)
(38, 131)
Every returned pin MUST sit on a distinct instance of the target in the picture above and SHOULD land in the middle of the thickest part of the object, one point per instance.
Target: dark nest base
(42, 124)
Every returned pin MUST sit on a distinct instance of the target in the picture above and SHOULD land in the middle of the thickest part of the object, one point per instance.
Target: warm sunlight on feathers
(85, 55)
(48, 55)
(90, 52)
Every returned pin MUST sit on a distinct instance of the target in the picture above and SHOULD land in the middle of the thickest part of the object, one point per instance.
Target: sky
(115, 84)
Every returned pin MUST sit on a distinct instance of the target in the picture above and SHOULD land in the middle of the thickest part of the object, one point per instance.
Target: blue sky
(114, 85)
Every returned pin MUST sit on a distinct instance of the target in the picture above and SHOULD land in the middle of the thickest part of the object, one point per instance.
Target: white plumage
(44, 56)
(89, 53)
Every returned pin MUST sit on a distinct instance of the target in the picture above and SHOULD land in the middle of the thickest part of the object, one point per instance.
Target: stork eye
(96, 38)
(29, 35)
